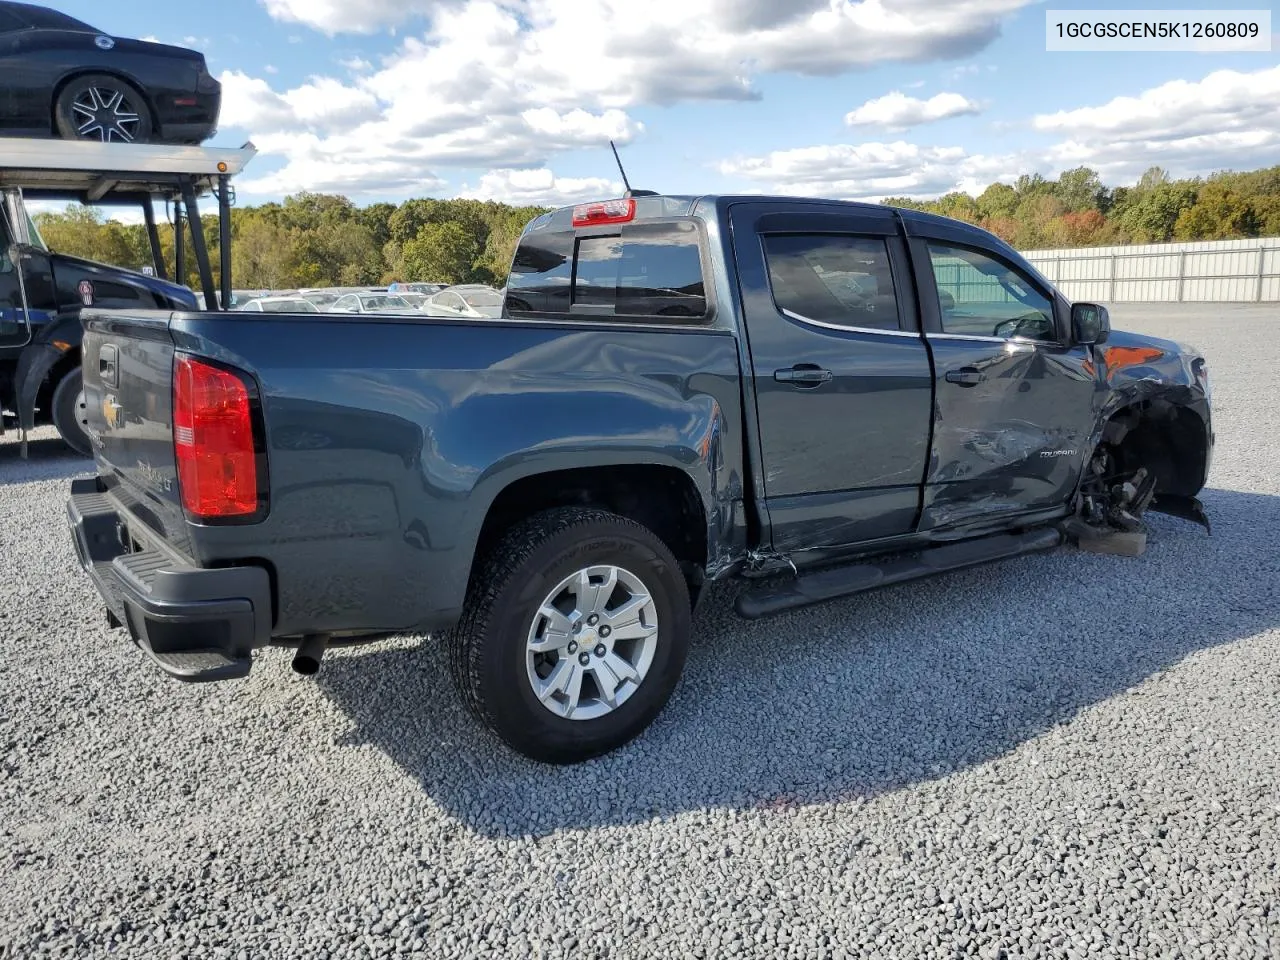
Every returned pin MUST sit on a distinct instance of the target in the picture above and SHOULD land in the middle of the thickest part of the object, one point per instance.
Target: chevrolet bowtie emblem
(112, 412)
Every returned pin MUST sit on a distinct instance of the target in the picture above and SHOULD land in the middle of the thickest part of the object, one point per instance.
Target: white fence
(1243, 271)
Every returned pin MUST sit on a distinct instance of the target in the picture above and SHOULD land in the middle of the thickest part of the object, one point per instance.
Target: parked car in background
(62, 77)
(416, 287)
(280, 305)
(472, 300)
(371, 303)
(415, 300)
(237, 297)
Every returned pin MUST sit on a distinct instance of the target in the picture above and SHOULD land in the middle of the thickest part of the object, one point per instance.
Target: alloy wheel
(105, 114)
(592, 642)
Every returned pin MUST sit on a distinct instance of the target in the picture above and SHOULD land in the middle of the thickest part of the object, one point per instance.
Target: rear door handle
(966, 376)
(803, 375)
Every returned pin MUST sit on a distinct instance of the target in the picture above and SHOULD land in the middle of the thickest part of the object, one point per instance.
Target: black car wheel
(70, 414)
(574, 635)
(102, 108)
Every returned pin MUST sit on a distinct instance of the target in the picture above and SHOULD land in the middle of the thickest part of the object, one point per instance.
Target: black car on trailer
(62, 77)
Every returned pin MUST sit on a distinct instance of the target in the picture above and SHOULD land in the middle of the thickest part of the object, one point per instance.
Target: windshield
(483, 298)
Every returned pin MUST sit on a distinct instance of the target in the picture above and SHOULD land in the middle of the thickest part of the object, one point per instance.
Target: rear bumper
(196, 132)
(197, 624)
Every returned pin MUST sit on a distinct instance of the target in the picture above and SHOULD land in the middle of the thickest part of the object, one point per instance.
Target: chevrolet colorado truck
(819, 397)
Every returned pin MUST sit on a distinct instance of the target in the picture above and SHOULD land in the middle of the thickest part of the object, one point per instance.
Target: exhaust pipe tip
(310, 651)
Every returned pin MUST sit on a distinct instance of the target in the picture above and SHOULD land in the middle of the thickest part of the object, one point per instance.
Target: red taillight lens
(213, 440)
(607, 211)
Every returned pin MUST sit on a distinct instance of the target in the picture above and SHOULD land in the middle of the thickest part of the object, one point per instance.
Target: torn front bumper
(197, 624)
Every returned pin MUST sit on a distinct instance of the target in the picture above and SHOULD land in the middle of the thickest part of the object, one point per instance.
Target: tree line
(315, 240)
(1078, 210)
(319, 240)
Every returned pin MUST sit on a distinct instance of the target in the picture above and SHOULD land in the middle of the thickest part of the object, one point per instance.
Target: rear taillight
(213, 441)
(607, 211)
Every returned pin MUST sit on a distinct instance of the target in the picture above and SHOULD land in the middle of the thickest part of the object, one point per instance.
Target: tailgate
(128, 383)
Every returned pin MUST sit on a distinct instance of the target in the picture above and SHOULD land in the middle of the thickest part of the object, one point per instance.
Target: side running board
(835, 582)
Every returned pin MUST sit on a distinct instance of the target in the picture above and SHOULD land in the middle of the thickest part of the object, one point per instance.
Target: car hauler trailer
(43, 291)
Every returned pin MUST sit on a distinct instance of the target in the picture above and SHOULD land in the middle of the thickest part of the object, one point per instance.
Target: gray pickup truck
(821, 397)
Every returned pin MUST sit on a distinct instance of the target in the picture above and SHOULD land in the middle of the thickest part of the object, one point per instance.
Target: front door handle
(803, 375)
(966, 376)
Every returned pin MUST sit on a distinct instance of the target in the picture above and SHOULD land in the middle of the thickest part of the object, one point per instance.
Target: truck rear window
(644, 270)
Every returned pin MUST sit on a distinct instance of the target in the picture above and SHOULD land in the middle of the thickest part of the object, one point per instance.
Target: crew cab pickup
(823, 397)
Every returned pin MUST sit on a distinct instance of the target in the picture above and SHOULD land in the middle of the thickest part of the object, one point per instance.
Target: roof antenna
(625, 182)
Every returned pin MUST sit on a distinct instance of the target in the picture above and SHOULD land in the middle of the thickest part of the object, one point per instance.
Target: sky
(516, 100)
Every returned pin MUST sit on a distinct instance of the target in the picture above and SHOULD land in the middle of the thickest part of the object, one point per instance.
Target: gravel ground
(1066, 755)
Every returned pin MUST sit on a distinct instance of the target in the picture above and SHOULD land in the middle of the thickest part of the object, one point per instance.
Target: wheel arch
(663, 498)
(69, 361)
(1171, 438)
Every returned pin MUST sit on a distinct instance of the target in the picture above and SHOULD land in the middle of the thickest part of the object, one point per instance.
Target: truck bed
(388, 439)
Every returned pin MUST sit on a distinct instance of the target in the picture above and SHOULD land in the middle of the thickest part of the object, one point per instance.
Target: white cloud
(1229, 119)
(342, 16)
(270, 69)
(868, 30)
(871, 171)
(540, 187)
(1226, 99)
(352, 169)
(509, 83)
(322, 103)
(356, 64)
(897, 111)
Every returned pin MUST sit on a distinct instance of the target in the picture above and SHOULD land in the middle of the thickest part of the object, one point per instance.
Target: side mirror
(1090, 323)
(13, 256)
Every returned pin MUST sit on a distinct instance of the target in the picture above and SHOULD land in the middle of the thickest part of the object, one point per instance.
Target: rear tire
(69, 412)
(102, 108)
(491, 656)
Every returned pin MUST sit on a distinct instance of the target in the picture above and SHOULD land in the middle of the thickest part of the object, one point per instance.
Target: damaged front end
(1153, 449)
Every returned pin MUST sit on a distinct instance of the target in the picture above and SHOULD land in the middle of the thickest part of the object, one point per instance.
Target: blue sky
(515, 99)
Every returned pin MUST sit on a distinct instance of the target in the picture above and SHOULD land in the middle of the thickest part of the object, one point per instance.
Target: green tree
(1150, 214)
(1079, 189)
(1031, 184)
(441, 253)
(958, 206)
(906, 203)
(1219, 213)
(377, 218)
(262, 255)
(1036, 211)
(998, 200)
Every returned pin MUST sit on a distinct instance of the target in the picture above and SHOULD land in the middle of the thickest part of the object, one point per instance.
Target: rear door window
(833, 278)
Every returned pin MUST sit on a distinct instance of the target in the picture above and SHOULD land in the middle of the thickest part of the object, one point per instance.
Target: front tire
(70, 413)
(104, 109)
(574, 636)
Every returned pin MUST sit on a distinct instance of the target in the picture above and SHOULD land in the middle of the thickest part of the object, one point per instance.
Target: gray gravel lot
(1066, 755)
